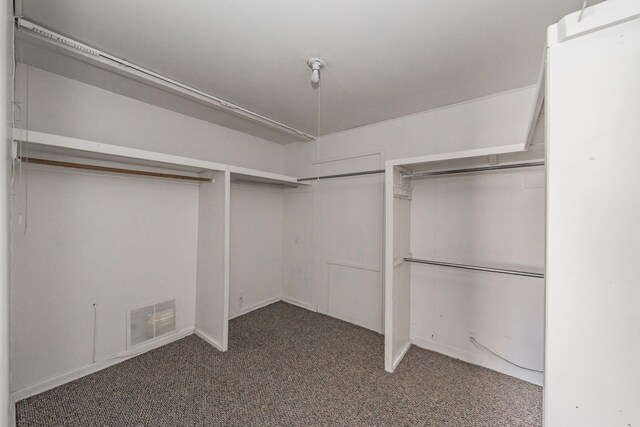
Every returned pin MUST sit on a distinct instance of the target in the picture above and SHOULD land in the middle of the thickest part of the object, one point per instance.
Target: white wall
(332, 246)
(81, 239)
(6, 62)
(332, 250)
(492, 219)
(349, 205)
(592, 373)
(297, 269)
(347, 268)
(55, 104)
(257, 215)
(502, 119)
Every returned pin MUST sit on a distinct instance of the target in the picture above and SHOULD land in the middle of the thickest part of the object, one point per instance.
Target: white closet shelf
(471, 158)
(254, 176)
(40, 142)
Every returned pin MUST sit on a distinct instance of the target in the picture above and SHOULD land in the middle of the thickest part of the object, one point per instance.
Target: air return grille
(151, 321)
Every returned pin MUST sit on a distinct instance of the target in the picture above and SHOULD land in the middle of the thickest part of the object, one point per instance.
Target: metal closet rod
(476, 169)
(342, 175)
(427, 173)
(153, 77)
(83, 166)
(476, 268)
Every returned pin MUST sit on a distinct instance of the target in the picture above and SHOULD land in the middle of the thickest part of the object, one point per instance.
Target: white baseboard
(398, 359)
(300, 304)
(254, 307)
(270, 301)
(209, 339)
(479, 359)
(59, 380)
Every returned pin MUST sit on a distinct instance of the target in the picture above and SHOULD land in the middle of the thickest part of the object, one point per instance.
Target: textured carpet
(287, 366)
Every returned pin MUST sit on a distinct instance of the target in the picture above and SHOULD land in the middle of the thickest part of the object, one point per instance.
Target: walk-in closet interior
(465, 256)
(337, 213)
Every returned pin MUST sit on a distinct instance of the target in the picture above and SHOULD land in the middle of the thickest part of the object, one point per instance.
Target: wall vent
(151, 321)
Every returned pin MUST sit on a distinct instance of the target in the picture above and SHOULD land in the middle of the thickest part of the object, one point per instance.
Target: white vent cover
(151, 321)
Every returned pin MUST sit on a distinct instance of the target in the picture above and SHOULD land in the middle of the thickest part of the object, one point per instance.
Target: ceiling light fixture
(316, 65)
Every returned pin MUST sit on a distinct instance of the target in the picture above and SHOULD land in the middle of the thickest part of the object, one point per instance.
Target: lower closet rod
(84, 166)
(477, 268)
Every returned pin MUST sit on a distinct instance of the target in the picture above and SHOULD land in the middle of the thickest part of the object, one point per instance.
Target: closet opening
(465, 261)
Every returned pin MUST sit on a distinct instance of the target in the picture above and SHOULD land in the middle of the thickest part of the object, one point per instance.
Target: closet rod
(477, 268)
(468, 170)
(342, 175)
(427, 173)
(35, 161)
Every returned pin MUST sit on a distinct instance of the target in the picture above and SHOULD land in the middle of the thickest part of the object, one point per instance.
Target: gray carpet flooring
(287, 366)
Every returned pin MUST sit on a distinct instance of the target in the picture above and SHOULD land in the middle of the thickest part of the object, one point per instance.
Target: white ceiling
(384, 59)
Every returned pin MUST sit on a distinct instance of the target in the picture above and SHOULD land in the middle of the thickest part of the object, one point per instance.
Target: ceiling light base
(316, 64)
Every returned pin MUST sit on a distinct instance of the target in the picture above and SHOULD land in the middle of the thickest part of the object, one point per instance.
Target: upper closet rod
(475, 169)
(84, 166)
(342, 175)
(476, 268)
(429, 173)
(139, 72)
